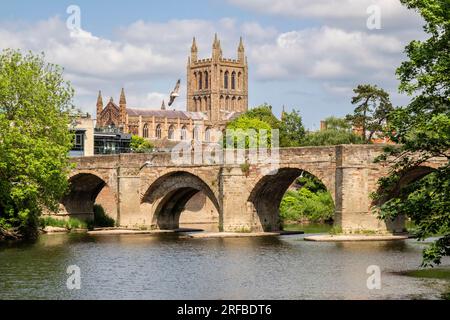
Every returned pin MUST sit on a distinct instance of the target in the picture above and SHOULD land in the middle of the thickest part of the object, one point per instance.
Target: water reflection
(169, 266)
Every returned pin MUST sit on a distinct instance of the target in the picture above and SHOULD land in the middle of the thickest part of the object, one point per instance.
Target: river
(176, 267)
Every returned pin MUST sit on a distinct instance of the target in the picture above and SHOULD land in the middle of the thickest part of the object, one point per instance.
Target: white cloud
(346, 11)
(326, 53)
(148, 57)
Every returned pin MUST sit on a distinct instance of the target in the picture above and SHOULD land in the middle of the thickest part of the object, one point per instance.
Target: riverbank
(439, 274)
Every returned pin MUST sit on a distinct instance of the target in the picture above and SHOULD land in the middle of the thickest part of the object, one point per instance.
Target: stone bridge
(148, 190)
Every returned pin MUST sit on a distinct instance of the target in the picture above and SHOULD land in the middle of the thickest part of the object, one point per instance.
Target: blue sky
(306, 55)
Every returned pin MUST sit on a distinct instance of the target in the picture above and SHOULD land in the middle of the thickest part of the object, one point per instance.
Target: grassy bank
(435, 273)
(69, 224)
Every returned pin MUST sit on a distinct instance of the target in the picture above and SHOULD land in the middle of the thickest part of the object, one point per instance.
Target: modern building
(83, 128)
(217, 92)
(111, 141)
(89, 141)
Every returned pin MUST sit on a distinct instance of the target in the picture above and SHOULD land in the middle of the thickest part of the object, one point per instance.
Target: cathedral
(217, 92)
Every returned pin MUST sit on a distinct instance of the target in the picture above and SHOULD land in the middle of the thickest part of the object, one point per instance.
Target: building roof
(170, 114)
(233, 115)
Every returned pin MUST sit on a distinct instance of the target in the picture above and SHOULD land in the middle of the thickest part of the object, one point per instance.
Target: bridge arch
(407, 177)
(267, 193)
(86, 189)
(170, 193)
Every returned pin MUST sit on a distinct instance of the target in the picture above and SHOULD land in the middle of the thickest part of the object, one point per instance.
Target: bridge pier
(236, 216)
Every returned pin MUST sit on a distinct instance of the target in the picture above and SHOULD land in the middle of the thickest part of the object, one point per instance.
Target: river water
(176, 267)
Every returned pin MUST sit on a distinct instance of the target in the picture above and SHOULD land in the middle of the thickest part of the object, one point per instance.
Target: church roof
(170, 114)
(113, 104)
(233, 115)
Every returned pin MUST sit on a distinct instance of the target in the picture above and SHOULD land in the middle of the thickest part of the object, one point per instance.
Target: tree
(140, 145)
(422, 130)
(337, 131)
(34, 140)
(241, 126)
(371, 113)
(264, 113)
(292, 131)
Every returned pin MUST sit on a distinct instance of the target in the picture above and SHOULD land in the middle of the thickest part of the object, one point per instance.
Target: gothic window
(227, 103)
(158, 131)
(206, 80)
(208, 135)
(225, 80)
(233, 81)
(221, 104)
(145, 131)
(200, 81)
(183, 133)
(171, 133)
(239, 83)
(196, 136)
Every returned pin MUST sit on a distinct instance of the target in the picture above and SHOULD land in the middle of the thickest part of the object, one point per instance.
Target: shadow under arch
(83, 191)
(266, 196)
(407, 177)
(170, 193)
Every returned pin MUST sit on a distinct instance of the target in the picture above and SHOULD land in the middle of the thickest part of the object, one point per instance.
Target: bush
(140, 145)
(304, 204)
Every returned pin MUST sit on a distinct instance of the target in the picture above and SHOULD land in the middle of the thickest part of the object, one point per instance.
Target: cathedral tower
(217, 86)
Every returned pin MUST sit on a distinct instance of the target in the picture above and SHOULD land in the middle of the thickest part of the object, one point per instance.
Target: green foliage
(311, 183)
(372, 112)
(241, 126)
(306, 205)
(264, 113)
(245, 168)
(311, 201)
(423, 131)
(51, 222)
(140, 145)
(70, 224)
(34, 140)
(101, 219)
(292, 131)
(335, 230)
(338, 131)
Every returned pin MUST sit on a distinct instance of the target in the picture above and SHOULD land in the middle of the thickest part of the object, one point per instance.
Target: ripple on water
(169, 267)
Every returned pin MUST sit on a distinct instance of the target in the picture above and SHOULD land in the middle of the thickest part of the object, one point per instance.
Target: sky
(304, 55)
